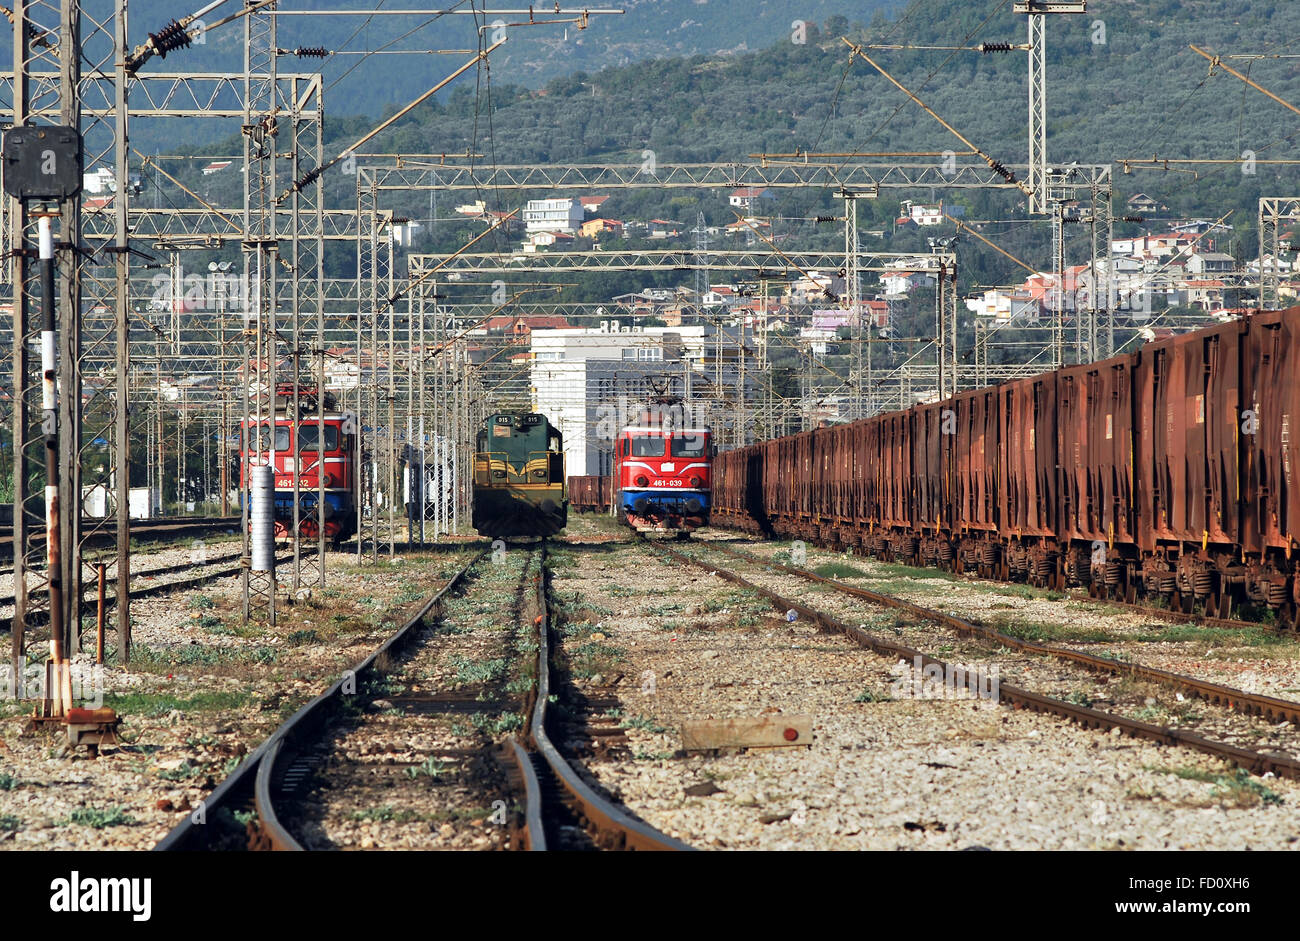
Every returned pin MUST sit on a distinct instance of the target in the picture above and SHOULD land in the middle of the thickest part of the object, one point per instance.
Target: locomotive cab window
(645, 446)
(687, 446)
(308, 438)
(258, 442)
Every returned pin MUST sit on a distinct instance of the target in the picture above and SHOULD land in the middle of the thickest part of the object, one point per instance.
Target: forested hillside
(1123, 84)
(533, 55)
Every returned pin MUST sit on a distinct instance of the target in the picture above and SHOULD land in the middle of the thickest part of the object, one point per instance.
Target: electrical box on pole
(42, 163)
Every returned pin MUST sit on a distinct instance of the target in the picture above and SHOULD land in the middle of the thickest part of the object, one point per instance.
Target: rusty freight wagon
(590, 493)
(1169, 471)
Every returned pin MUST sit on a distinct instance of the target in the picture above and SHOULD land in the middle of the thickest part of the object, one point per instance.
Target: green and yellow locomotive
(519, 487)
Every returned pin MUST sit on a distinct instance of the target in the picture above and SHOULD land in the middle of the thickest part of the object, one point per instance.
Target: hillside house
(1142, 204)
(748, 198)
(1210, 264)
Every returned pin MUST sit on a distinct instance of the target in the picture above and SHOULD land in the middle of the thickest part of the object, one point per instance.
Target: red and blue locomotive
(297, 449)
(662, 472)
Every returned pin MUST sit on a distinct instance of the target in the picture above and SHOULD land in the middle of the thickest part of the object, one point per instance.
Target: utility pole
(261, 258)
(860, 344)
(1037, 11)
(701, 259)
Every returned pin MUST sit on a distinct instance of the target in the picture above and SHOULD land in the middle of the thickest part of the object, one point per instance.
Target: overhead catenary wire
(935, 71)
(1217, 62)
(994, 165)
(180, 33)
(312, 175)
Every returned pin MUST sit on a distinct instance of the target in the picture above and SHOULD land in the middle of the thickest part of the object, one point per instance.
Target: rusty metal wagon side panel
(1028, 433)
(1271, 510)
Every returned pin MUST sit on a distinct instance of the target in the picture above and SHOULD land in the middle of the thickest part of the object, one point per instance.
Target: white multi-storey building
(553, 215)
(591, 382)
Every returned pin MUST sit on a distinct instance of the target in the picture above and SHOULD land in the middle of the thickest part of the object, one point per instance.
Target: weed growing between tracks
(98, 819)
(1232, 787)
(157, 705)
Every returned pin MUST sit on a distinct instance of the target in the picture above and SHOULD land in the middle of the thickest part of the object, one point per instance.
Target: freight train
(519, 487)
(296, 448)
(1167, 471)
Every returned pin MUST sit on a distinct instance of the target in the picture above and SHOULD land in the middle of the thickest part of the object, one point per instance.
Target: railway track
(207, 574)
(554, 787)
(164, 530)
(268, 789)
(1174, 613)
(1269, 707)
(1255, 761)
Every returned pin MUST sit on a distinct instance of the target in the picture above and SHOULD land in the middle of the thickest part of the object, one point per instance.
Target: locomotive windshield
(687, 446)
(645, 446)
(308, 438)
(258, 442)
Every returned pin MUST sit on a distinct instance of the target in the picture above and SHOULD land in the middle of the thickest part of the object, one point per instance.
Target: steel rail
(1169, 614)
(613, 828)
(255, 776)
(38, 618)
(1249, 703)
(159, 530)
(1255, 762)
(534, 828)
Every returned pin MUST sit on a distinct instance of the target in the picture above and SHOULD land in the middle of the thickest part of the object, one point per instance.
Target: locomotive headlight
(695, 483)
(641, 481)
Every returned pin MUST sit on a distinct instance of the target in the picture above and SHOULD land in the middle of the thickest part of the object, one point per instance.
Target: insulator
(308, 178)
(1132, 219)
(824, 219)
(172, 36)
(1002, 171)
(311, 52)
(987, 47)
